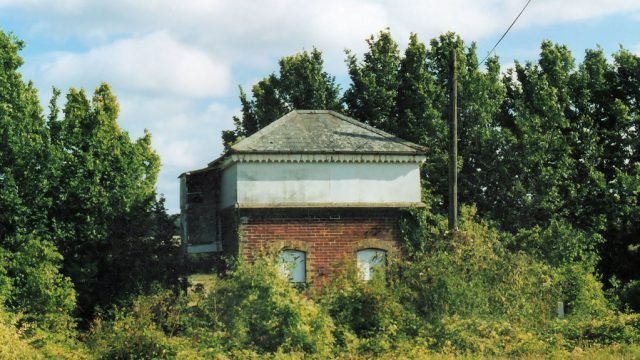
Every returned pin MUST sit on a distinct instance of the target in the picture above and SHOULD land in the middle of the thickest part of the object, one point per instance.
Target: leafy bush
(558, 244)
(368, 315)
(630, 295)
(604, 330)
(39, 290)
(12, 345)
(133, 334)
(485, 337)
(260, 310)
(582, 292)
(470, 274)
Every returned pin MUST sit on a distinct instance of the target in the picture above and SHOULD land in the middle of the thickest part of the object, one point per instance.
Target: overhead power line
(505, 33)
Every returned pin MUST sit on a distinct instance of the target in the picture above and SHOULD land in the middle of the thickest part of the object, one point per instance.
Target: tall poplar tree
(302, 83)
(106, 220)
(30, 278)
(371, 98)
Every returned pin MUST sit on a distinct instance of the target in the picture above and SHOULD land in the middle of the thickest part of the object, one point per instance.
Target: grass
(611, 352)
(202, 281)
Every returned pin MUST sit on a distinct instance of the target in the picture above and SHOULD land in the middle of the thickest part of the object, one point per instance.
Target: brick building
(314, 187)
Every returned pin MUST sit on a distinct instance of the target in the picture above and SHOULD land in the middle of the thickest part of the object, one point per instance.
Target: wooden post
(453, 147)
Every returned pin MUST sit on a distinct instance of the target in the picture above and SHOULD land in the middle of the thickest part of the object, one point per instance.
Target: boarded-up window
(293, 265)
(370, 261)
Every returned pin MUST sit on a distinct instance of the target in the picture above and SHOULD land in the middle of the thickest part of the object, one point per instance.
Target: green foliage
(160, 325)
(582, 292)
(39, 290)
(604, 330)
(127, 338)
(78, 210)
(252, 313)
(374, 83)
(630, 296)
(368, 315)
(12, 345)
(474, 336)
(115, 237)
(255, 313)
(260, 310)
(558, 244)
(301, 84)
(25, 155)
(470, 274)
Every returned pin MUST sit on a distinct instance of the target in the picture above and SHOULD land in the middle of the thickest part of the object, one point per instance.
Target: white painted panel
(292, 265)
(229, 190)
(204, 248)
(370, 261)
(300, 183)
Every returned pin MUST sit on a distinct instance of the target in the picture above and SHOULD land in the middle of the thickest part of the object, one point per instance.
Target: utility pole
(453, 147)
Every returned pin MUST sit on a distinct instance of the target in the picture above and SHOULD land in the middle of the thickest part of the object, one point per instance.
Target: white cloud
(254, 34)
(234, 25)
(546, 12)
(154, 63)
(185, 133)
(171, 63)
(191, 144)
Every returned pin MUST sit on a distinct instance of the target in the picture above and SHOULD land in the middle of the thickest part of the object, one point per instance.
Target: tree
(30, 278)
(371, 98)
(107, 222)
(301, 83)
(24, 158)
(416, 101)
(548, 148)
(621, 166)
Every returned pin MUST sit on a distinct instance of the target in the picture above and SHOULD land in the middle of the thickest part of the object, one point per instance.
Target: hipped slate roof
(323, 131)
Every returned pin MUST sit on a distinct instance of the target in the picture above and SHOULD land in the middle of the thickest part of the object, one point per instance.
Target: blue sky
(176, 65)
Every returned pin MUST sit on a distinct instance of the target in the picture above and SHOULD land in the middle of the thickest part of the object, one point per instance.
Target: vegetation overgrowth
(89, 267)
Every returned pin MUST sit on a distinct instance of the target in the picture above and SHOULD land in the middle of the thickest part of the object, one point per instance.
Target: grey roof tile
(321, 131)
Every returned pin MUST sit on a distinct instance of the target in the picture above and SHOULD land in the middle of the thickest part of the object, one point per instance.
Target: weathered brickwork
(326, 239)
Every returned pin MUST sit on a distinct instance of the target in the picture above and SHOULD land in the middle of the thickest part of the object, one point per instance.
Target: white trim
(318, 158)
(204, 248)
(345, 205)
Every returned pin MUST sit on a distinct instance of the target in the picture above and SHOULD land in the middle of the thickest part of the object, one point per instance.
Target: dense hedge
(469, 295)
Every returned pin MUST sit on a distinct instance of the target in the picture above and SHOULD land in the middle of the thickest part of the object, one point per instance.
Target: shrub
(470, 274)
(630, 295)
(39, 290)
(131, 335)
(260, 310)
(582, 292)
(368, 315)
(12, 345)
(485, 337)
(153, 327)
(558, 244)
(604, 330)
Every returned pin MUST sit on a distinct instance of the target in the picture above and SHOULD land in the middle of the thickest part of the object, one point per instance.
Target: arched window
(293, 265)
(370, 261)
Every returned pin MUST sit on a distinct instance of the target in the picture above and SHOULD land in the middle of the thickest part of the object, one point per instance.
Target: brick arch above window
(390, 247)
(279, 245)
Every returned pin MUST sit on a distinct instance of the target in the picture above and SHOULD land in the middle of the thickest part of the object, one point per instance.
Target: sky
(175, 66)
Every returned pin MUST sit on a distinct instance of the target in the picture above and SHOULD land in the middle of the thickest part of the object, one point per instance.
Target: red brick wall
(327, 240)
